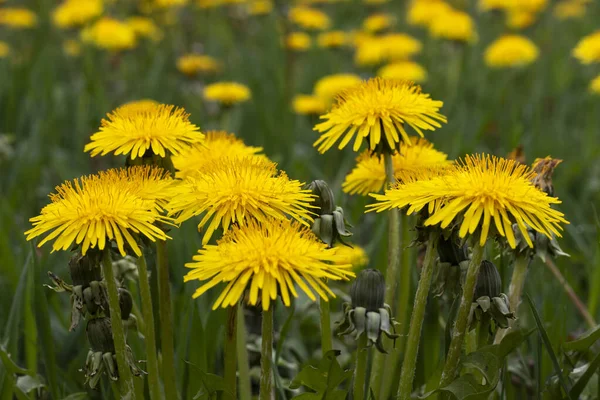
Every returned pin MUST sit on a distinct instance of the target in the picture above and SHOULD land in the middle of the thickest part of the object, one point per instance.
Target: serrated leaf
(584, 342)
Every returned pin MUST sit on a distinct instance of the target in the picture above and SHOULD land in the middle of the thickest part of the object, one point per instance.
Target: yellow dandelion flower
(137, 106)
(587, 50)
(519, 19)
(17, 18)
(4, 49)
(148, 182)
(260, 7)
(136, 128)
(168, 3)
(370, 50)
(422, 13)
(569, 9)
(309, 18)
(511, 51)
(378, 22)
(193, 64)
(331, 85)
(487, 5)
(355, 256)
(531, 6)
(403, 70)
(369, 173)
(228, 93)
(234, 189)
(332, 39)
(75, 13)
(375, 107)
(218, 144)
(306, 105)
(144, 27)
(298, 41)
(110, 34)
(453, 25)
(400, 46)
(595, 85)
(269, 258)
(94, 208)
(479, 190)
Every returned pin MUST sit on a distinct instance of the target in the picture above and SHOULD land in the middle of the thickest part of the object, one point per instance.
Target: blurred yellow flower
(569, 9)
(193, 64)
(17, 18)
(519, 19)
(511, 51)
(140, 127)
(332, 39)
(376, 1)
(532, 6)
(453, 25)
(72, 47)
(595, 85)
(74, 13)
(355, 256)
(298, 41)
(144, 27)
(4, 49)
(307, 104)
(309, 18)
(330, 86)
(260, 7)
(217, 144)
(168, 3)
(368, 175)
(403, 70)
(390, 47)
(487, 5)
(376, 111)
(227, 93)
(422, 13)
(587, 50)
(110, 34)
(378, 22)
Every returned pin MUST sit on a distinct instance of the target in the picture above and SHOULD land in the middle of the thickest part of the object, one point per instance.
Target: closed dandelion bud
(99, 335)
(368, 290)
(325, 202)
(451, 251)
(489, 282)
(84, 269)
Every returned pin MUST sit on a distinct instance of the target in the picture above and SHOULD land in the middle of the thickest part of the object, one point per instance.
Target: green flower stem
(230, 377)
(266, 355)
(326, 344)
(402, 311)
(150, 337)
(391, 274)
(242, 357)
(166, 321)
(125, 377)
(517, 283)
(416, 320)
(360, 371)
(462, 317)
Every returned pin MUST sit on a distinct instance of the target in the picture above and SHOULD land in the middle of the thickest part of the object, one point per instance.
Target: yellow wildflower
(307, 104)
(298, 41)
(17, 18)
(110, 34)
(75, 13)
(587, 50)
(511, 51)
(331, 85)
(193, 64)
(309, 18)
(227, 93)
(403, 70)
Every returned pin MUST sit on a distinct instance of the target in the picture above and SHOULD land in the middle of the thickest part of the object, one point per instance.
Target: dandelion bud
(325, 202)
(368, 290)
(100, 336)
(84, 270)
(125, 303)
(489, 282)
(451, 251)
(544, 168)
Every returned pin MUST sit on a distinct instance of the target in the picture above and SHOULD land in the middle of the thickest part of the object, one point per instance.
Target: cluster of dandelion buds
(330, 224)
(89, 300)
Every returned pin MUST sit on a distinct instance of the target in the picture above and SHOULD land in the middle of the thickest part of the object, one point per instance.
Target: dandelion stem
(360, 371)
(266, 355)
(326, 344)
(230, 377)
(150, 336)
(391, 273)
(166, 321)
(462, 317)
(517, 283)
(416, 320)
(125, 377)
(242, 356)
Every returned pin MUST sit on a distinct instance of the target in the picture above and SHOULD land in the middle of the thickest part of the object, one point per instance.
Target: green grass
(51, 103)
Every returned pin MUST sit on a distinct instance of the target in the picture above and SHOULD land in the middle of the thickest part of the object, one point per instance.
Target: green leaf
(77, 396)
(580, 385)
(584, 342)
(324, 379)
(10, 365)
(548, 345)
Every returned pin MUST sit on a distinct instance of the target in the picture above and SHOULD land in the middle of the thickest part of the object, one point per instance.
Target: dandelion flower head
(267, 259)
(368, 175)
(569, 9)
(587, 50)
(75, 13)
(519, 19)
(595, 85)
(453, 25)
(376, 110)
(144, 27)
(332, 39)
(309, 18)
(298, 41)
(227, 93)
(308, 104)
(355, 256)
(478, 190)
(392, 46)
(260, 7)
(193, 64)
(331, 85)
(111, 205)
(135, 128)
(4, 49)
(17, 18)
(403, 70)
(423, 12)
(110, 34)
(511, 51)
(236, 190)
(218, 144)
(378, 22)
